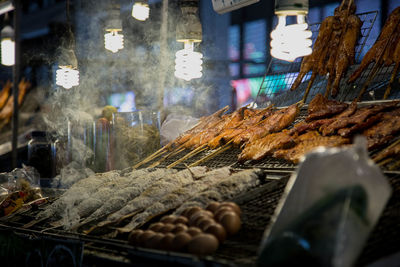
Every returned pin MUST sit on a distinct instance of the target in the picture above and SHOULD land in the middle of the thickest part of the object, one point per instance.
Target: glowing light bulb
(67, 77)
(7, 52)
(291, 41)
(113, 41)
(188, 63)
(140, 11)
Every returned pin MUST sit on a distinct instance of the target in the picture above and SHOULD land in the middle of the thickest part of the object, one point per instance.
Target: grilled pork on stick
(7, 111)
(346, 51)
(388, 152)
(205, 122)
(276, 122)
(302, 127)
(207, 135)
(260, 148)
(389, 29)
(5, 93)
(308, 142)
(319, 50)
(396, 59)
(320, 107)
(227, 134)
(360, 116)
(384, 131)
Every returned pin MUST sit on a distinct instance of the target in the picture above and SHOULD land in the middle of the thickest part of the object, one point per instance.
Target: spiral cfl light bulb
(113, 41)
(67, 77)
(7, 52)
(291, 41)
(140, 11)
(188, 63)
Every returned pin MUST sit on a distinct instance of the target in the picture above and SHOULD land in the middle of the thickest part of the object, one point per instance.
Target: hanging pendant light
(188, 31)
(140, 10)
(289, 42)
(113, 39)
(67, 74)
(7, 46)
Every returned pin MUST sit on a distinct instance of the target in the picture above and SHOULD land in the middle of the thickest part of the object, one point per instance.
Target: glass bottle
(40, 154)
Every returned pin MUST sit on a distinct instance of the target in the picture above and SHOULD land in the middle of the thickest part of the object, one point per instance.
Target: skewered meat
(320, 107)
(388, 31)
(357, 118)
(278, 121)
(207, 135)
(7, 111)
(308, 142)
(302, 127)
(5, 93)
(384, 131)
(347, 132)
(260, 148)
(319, 51)
(334, 48)
(227, 134)
(346, 51)
(205, 122)
(388, 152)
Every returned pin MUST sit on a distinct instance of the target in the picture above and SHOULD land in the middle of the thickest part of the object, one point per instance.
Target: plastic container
(136, 135)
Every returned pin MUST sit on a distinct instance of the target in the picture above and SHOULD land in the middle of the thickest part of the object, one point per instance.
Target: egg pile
(197, 230)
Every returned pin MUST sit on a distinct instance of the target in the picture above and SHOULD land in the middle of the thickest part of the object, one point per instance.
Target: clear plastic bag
(174, 125)
(329, 207)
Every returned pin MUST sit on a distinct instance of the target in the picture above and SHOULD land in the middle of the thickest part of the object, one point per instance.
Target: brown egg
(203, 244)
(212, 206)
(156, 226)
(231, 222)
(221, 211)
(167, 228)
(180, 241)
(154, 241)
(146, 235)
(193, 231)
(190, 211)
(198, 216)
(166, 241)
(133, 237)
(168, 219)
(181, 219)
(233, 205)
(216, 230)
(180, 227)
(204, 223)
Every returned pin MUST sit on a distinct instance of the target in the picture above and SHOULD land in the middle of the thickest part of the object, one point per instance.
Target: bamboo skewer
(384, 162)
(173, 153)
(213, 154)
(378, 158)
(150, 158)
(189, 155)
(310, 83)
(374, 70)
(394, 74)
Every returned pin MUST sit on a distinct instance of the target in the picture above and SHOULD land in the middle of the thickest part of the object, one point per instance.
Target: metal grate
(280, 74)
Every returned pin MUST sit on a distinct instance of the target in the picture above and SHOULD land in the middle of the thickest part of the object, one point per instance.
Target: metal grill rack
(258, 206)
(229, 157)
(280, 74)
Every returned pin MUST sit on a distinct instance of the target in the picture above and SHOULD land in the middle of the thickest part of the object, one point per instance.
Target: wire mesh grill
(280, 74)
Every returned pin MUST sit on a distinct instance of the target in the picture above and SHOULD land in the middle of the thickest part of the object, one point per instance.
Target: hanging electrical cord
(67, 75)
